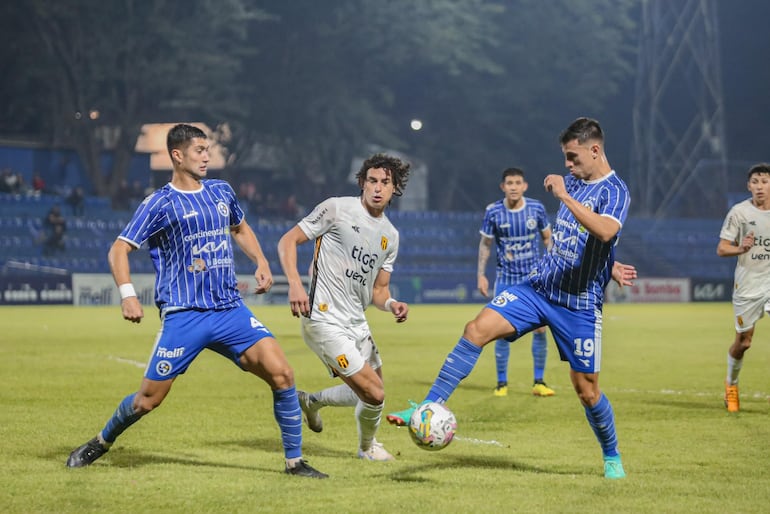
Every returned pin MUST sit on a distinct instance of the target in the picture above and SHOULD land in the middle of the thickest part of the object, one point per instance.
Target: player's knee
(282, 377)
(475, 333)
(144, 404)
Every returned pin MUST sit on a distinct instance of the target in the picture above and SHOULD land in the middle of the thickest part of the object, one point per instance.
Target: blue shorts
(185, 334)
(577, 333)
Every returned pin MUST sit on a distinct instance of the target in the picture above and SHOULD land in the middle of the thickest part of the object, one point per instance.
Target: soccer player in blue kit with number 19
(566, 288)
(189, 224)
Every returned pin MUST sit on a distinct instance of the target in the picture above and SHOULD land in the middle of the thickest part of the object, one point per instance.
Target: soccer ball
(432, 426)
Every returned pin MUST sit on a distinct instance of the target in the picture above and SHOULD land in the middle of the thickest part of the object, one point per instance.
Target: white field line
(128, 361)
(473, 440)
(674, 392)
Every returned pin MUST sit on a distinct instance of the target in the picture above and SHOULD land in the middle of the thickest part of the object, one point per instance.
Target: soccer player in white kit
(746, 234)
(355, 248)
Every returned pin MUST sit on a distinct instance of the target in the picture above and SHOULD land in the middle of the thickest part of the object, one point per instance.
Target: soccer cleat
(376, 452)
(540, 389)
(401, 418)
(732, 401)
(303, 469)
(613, 468)
(86, 454)
(312, 417)
(501, 389)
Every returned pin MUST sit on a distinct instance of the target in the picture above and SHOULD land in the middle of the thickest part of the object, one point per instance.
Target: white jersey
(752, 272)
(350, 249)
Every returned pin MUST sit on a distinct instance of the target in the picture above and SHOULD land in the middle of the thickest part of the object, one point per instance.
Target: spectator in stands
(12, 182)
(356, 246)
(565, 290)
(121, 200)
(190, 225)
(38, 184)
(744, 234)
(54, 226)
(77, 201)
(514, 224)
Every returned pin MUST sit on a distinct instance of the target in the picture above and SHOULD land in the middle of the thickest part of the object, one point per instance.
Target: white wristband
(389, 302)
(126, 290)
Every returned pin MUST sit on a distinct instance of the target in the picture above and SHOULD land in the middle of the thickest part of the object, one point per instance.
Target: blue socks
(502, 353)
(289, 417)
(602, 421)
(539, 353)
(122, 418)
(458, 365)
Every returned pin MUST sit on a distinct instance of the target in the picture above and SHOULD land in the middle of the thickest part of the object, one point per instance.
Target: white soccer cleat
(376, 452)
(310, 410)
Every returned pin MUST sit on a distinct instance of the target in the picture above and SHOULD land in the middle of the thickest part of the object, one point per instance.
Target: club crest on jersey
(197, 266)
(323, 307)
(384, 243)
(342, 360)
(223, 209)
(531, 223)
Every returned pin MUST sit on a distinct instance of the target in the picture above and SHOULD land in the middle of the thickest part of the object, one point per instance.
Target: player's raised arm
(121, 273)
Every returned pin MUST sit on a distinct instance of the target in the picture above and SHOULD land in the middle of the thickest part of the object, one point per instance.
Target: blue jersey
(516, 233)
(188, 234)
(579, 266)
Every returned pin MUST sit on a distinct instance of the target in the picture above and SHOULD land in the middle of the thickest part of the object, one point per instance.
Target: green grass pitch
(213, 446)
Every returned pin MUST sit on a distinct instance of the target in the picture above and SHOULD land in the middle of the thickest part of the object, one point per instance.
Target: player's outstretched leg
(601, 418)
(458, 365)
(123, 417)
(502, 354)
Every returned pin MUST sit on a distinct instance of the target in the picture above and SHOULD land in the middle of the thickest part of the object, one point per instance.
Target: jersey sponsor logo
(189, 214)
(384, 243)
(197, 266)
(367, 261)
(342, 361)
(315, 219)
(163, 368)
(210, 247)
(207, 233)
(169, 354)
(503, 298)
(223, 209)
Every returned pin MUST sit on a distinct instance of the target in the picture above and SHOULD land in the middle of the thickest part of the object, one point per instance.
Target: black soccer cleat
(303, 469)
(87, 454)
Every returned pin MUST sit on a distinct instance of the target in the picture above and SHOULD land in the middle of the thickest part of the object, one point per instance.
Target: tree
(103, 69)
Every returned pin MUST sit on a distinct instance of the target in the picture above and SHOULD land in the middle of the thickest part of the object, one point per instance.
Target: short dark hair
(512, 172)
(399, 170)
(180, 135)
(582, 129)
(758, 169)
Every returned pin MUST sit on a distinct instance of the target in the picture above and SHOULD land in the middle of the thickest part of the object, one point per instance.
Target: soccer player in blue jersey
(566, 288)
(514, 223)
(189, 225)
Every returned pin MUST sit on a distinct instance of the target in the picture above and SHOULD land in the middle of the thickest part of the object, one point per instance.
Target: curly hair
(399, 171)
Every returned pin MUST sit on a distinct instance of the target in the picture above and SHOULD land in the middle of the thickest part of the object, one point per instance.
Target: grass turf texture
(213, 446)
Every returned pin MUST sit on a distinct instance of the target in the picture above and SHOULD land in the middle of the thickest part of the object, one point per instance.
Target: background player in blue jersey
(514, 224)
(565, 290)
(189, 225)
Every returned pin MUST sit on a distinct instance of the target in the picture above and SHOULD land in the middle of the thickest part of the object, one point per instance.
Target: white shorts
(749, 311)
(343, 350)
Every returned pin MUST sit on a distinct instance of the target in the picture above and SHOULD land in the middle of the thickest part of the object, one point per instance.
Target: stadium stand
(434, 245)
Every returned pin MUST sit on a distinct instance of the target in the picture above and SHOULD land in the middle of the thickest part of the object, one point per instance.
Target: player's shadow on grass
(466, 462)
(309, 448)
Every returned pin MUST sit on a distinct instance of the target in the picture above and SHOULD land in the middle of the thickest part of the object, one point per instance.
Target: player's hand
(623, 274)
(555, 185)
(132, 309)
(299, 302)
(747, 243)
(264, 280)
(483, 286)
(400, 310)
